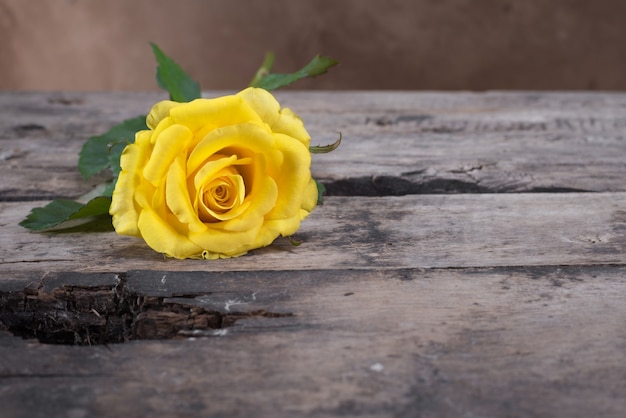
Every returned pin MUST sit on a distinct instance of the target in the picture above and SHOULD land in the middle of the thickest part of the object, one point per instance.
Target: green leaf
(102, 189)
(317, 66)
(60, 211)
(115, 153)
(109, 188)
(321, 190)
(103, 151)
(173, 79)
(324, 149)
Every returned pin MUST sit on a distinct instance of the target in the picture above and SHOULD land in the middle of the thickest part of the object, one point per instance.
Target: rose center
(220, 188)
(223, 193)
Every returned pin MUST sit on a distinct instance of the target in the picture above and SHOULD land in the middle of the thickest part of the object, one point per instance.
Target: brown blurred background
(382, 44)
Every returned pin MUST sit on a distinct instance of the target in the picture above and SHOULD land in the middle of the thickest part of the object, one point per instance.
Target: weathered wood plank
(394, 143)
(530, 341)
(359, 232)
(423, 305)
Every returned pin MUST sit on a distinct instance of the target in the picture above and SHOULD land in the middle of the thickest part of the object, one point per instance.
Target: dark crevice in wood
(81, 315)
(402, 186)
(396, 186)
(17, 195)
(360, 186)
(557, 190)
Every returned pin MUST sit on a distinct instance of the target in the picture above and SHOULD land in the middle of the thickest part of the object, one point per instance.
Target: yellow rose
(215, 178)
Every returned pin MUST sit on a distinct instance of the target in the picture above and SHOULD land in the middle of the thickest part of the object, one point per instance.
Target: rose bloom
(215, 178)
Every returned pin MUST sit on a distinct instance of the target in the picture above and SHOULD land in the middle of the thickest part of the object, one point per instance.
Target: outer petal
(208, 114)
(159, 112)
(272, 229)
(280, 121)
(170, 144)
(161, 237)
(123, 207)
(219, 241)
(293, 179)
(309, 200)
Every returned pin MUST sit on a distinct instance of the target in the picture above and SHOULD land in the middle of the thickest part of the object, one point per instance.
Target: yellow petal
(161, 237)
(144, 193)
(293, 179)
(210, 169)
(160, 111)
(243, 140)
(280, 121)
(309, 200)
(216, 240)
(273, 228)
(240, 234)
(170, 144)
(122, 208)
(208, 114)
(177, 196)
(259, 204)
(231, 203)
(262, 196)
(123, 205)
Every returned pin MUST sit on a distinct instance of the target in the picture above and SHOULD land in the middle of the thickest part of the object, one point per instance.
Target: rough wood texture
(471, 295)
(416, 231)
(394, 143)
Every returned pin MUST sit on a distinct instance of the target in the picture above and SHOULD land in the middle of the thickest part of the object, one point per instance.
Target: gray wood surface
(468, 262)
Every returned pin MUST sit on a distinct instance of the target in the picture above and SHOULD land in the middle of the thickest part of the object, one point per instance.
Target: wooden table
(469, 261)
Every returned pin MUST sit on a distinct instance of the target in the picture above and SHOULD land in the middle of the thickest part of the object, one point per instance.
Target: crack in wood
(388, 185)
(464, 122)
(464, 181)
(91, 315)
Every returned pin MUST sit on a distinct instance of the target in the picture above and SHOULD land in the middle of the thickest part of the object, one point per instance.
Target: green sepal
(172, 78)
(321, 191)
(325, 149)
(60, 211)
(103, 151)
(294, 242)
(317, 66)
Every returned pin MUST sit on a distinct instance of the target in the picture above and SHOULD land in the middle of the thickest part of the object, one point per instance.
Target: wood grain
(394, 143)
(528, 341)
(469, 261)
(417, 231)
